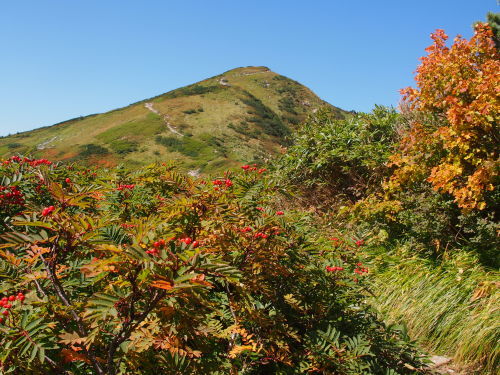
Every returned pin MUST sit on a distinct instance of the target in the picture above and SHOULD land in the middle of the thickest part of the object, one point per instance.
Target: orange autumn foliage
(453, 144)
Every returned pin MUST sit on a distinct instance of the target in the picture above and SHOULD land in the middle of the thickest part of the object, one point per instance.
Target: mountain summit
(244, 114)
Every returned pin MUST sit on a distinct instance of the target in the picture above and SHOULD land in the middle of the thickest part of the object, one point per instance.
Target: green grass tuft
(452, 309)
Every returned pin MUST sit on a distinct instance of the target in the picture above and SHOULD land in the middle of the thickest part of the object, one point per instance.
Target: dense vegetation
(107, 272)
(367, 231)
(422, 183)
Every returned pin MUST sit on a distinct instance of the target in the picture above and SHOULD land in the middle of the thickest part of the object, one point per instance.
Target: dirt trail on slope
(45, 144)
(165, 118)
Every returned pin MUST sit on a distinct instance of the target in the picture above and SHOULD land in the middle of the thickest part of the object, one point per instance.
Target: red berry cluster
(279, 213)
(253, 168)
(260, 235)
(48, 210)
(189, 241)
(16, 159)
(160, 198)
(10, 195)
(259, 208)
(186, 240)
(360, 270)
(272, 231)
(6, 303)
(334, 268)
(157, 246)
(35, 163)
(127, 226)
(125, 187)
(227, 182)
(160, 244)
(32, 162)
(337, 242)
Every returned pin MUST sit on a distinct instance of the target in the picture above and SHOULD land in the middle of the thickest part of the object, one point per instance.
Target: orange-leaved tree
(452, 142)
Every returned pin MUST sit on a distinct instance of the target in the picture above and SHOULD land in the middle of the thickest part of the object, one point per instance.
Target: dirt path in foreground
(444, 365)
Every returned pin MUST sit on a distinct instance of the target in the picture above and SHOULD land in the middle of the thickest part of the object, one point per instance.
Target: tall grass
(452, 308)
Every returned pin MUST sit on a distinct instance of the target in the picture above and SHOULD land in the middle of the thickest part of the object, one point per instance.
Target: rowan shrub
(152, 271)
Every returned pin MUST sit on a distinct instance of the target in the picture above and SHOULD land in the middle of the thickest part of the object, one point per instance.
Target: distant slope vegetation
(245, 114)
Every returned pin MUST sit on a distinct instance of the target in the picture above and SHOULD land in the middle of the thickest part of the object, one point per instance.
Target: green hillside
(241, 115)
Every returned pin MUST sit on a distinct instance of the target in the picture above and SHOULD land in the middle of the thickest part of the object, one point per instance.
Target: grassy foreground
(451, 309)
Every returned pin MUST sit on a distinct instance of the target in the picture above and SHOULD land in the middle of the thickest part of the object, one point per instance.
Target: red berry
(5, 313)
(48, 210)
(21, 298)
(7, 306)
(12, 298)
(1, 320)
(280, 213)
(186, 240)
(68, 180)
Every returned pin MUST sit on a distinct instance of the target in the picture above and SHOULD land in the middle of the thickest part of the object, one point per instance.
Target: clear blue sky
(64, 58)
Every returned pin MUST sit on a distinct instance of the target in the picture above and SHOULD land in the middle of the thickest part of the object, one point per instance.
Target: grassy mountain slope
(244, 114)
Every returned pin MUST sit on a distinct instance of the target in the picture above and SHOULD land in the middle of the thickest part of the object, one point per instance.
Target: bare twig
(129, 326)
(61, 293)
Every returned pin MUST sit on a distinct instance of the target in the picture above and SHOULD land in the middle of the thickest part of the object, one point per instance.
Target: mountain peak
(242, 115)
(249, 69)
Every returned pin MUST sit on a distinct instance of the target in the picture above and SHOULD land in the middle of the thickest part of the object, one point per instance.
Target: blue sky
(64, 58)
